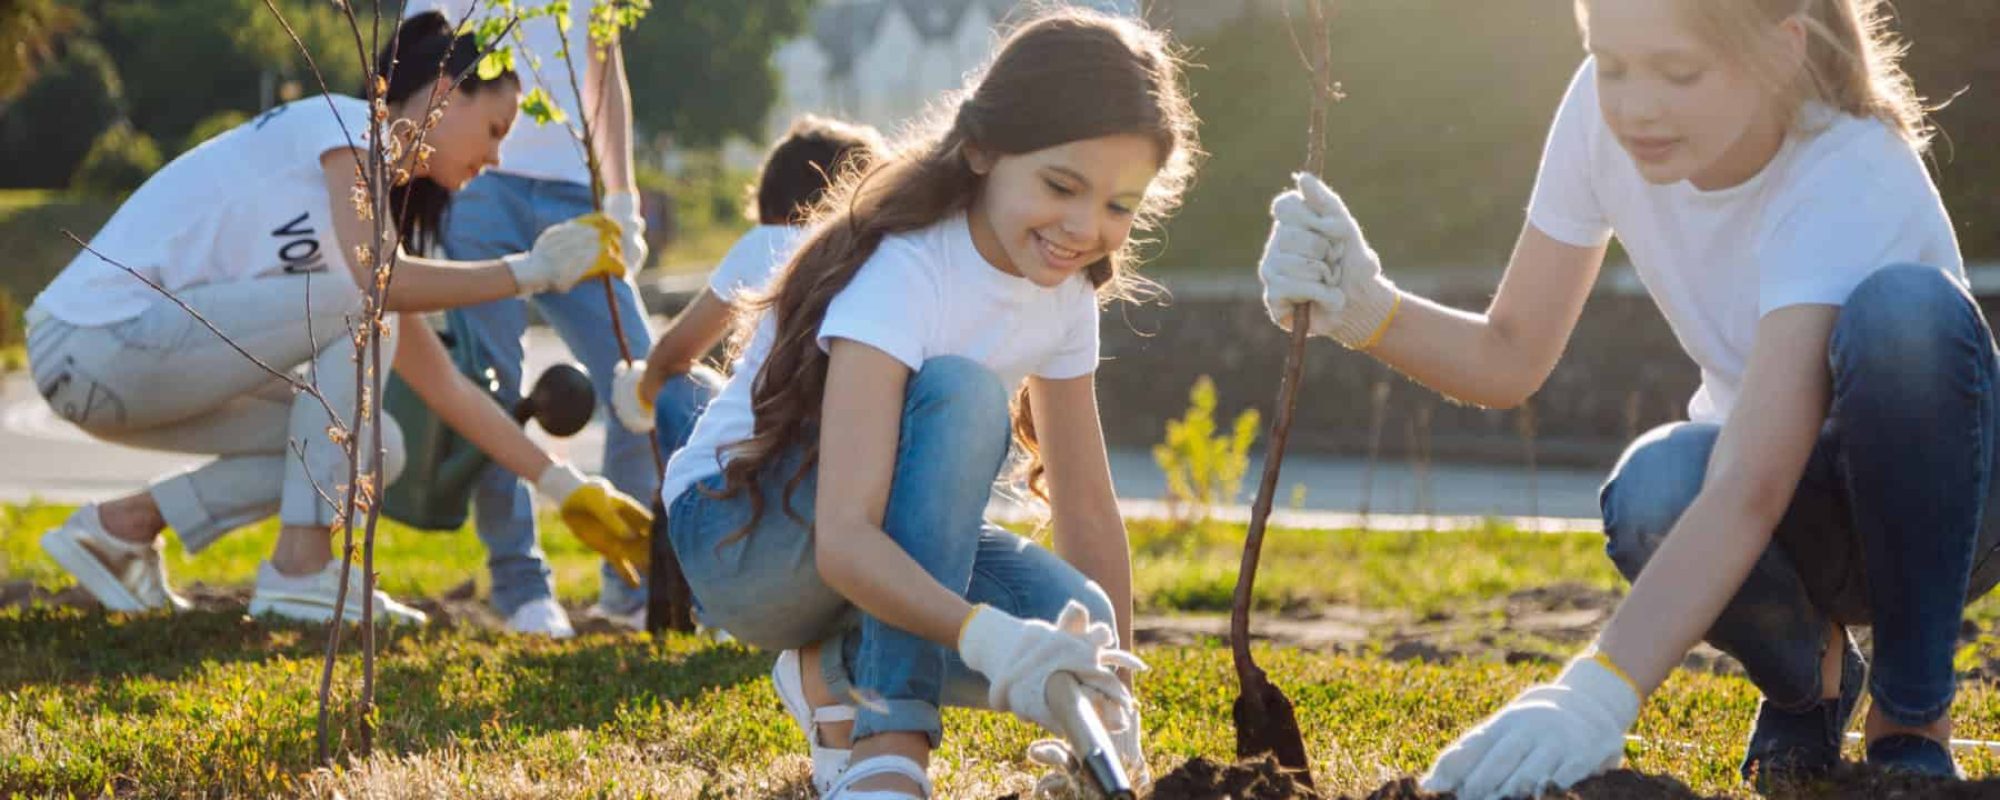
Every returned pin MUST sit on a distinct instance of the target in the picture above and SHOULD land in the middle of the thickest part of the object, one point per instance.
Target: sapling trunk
(1265, 720)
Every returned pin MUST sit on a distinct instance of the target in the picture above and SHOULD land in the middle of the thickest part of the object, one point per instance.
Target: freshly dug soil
(1202, 779)
(1861, 782)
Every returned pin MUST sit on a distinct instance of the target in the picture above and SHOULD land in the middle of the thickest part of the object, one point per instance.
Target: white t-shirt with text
(1836, 203)
(249, 203)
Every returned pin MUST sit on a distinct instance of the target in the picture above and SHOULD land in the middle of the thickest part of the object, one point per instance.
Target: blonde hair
(1853, 59)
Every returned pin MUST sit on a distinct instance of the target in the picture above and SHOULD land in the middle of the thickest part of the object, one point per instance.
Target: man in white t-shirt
(543, 179)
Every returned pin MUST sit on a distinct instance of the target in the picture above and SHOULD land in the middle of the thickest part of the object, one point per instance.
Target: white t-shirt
(248, 203)
(923, 294)
(1831, 208)
(547, 152)
(750, 262)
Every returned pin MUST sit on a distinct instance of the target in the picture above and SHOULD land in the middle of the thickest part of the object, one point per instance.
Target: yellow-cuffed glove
(616, 526)
(565, 254)
(610, 261)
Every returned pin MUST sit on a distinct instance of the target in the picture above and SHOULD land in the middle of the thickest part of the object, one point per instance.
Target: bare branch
(299, 450)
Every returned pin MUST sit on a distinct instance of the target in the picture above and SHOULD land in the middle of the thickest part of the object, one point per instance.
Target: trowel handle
(1087, 738)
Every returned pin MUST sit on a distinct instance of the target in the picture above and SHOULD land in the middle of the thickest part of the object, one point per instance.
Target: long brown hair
(1066, 75)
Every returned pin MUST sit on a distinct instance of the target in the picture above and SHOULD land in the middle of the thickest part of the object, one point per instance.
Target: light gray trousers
(163, 381)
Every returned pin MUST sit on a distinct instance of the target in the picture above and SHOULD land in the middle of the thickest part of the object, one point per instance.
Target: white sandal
(788, 678)
(879, 765)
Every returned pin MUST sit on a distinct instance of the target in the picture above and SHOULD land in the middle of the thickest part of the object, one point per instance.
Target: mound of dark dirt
(1862, 782)
(1202, 779)
(1618, 785)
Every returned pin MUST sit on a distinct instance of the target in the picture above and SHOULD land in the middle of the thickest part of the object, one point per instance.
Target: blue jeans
(1888, 524)
(764, 588)
(494, 215)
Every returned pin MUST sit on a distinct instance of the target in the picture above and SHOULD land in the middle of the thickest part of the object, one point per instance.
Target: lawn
(215, 704)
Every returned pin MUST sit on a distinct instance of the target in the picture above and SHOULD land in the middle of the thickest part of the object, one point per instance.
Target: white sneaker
(635, 621)
(122, 575)
(542, 617)
(788, 679)
(310, 598)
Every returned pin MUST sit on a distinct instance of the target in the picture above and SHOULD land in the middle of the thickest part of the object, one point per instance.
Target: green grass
(1174, 569)
(218, 705)
(411, 561)
(1426, 572)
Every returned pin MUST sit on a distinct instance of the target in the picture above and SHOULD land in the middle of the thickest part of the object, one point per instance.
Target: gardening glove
(567, 253)
(1018, 656)
(1316, 254)
(614, 525)
(628, 399)
(1552, 736)
(1066, 781)
(622, 209)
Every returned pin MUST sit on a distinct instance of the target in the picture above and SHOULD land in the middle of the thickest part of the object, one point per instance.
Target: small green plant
(1204, 468)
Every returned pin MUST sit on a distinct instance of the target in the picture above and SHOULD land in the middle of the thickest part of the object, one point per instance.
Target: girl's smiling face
(1680, 109)
(1046, 215)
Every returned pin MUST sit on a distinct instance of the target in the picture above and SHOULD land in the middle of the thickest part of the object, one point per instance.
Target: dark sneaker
(1787, 747)
(1913, 755)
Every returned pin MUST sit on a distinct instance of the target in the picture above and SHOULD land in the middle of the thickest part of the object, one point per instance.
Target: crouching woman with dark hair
(256, 230)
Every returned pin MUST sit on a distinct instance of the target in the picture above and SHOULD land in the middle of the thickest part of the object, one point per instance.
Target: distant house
(883, 61)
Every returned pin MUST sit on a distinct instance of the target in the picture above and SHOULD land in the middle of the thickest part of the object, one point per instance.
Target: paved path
(43, 457)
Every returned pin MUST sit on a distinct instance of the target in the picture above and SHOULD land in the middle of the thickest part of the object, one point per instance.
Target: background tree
(701, 70)
(29, 31)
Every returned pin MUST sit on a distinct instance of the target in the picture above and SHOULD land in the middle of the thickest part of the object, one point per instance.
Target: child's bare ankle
(837, 735)
(133, 519)
(814, 681)
(1831, 662)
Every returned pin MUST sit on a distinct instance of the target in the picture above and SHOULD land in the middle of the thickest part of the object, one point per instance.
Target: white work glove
(623, 209)
(1018, 656)
(1316, 255)
(632, 407)
(1552, 736)
(1064, 781)
(563, 256)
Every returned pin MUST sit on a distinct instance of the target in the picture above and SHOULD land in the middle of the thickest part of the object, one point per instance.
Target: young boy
(670, 392)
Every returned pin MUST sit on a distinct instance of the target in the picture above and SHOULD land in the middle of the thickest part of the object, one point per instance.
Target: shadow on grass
(553, 688)
(67, 645)
(439, 689)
